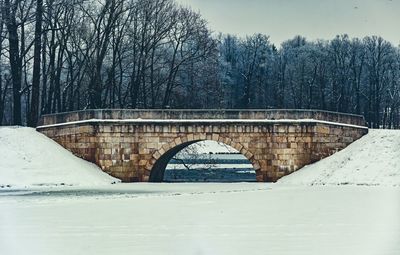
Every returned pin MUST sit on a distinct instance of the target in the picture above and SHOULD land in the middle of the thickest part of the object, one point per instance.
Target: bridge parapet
(127, 114)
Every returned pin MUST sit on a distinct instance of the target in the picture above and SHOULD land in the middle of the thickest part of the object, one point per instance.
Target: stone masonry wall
(133, 151)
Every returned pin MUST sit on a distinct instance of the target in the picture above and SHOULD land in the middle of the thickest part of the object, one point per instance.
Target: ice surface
(194, 219)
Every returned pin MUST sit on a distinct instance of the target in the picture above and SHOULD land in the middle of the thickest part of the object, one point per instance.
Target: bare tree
(63, 55)
(34, 108)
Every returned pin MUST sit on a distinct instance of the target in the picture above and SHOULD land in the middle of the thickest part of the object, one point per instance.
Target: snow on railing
(197, 114)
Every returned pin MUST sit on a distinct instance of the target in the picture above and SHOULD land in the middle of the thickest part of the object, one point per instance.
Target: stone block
(157, 155)
(322, 129)
(166, 147)
(216, 129)
(281, 129)
(249, 155)
(203, 136)
(292, 129)
(281, 139)
(178, 141)
(238, 147)
(215, 137)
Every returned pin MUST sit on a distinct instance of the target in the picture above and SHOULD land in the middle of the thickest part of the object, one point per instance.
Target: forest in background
(65, 55)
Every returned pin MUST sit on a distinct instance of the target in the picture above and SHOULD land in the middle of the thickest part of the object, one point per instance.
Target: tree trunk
(15, 60)
(34, 109)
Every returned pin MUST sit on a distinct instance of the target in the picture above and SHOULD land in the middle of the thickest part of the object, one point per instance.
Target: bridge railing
(256, 114)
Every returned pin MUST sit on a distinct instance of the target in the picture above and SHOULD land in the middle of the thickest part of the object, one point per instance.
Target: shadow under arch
(157, 170)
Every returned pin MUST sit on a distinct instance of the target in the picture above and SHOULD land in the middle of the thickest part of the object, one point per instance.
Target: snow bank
(29, 159)
(372, 160)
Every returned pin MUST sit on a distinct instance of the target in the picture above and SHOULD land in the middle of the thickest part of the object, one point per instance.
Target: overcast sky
(314, 19)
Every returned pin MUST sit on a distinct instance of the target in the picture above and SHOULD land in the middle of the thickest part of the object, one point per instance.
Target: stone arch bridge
(136, 145)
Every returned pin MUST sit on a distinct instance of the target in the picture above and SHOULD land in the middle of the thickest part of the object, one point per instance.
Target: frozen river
(241, 218)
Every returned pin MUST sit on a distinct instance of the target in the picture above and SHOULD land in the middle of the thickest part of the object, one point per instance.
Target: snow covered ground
(93, 217)
(203, 219)
(372, 160)
(30, 159)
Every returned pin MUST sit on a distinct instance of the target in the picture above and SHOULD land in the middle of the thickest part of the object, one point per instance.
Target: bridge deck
(201, 116)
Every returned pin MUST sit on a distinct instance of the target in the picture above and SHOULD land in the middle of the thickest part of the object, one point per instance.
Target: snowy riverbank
(30, 159)
(373, 160)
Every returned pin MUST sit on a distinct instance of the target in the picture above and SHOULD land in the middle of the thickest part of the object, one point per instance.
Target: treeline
(64, 55)
(343, 74)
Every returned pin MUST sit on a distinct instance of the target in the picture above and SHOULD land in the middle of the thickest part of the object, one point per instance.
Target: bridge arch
(156, 167)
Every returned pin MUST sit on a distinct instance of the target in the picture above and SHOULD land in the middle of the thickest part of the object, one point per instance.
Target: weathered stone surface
(139, 150)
